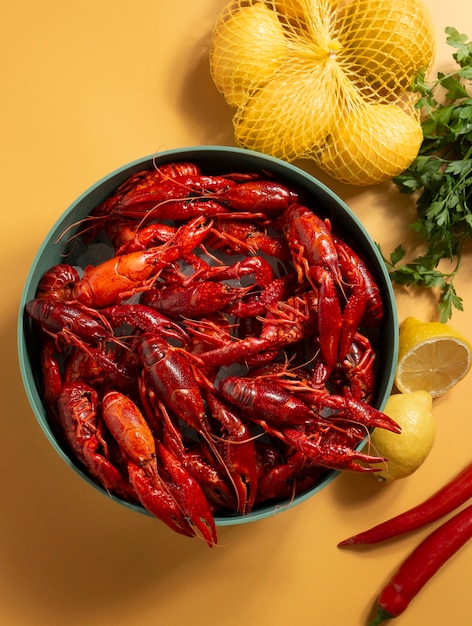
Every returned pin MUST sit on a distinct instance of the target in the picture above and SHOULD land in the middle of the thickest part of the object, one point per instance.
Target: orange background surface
(87, 87)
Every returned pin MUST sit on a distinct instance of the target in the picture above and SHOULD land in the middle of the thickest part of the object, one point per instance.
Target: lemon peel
(432, 356)
(406, 451)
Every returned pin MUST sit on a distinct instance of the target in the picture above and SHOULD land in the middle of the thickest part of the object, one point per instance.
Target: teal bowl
(211, 160)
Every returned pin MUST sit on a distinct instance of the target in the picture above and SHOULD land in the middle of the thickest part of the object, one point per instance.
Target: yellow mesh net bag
(327, 80)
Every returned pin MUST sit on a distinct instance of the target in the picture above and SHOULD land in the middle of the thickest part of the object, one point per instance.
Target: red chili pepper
(451, 496)
(422, 564)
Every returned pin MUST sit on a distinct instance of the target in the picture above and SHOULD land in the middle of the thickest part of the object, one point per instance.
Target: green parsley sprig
(441, 175)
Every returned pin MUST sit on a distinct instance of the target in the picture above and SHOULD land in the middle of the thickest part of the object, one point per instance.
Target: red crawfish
(360, 281)
(316, 260)
(213, 331)
(285, 416)
(78, 406)
(151, 196)
(263, 396)
(112, 365)
(326, 405)
(266, 287)
(130, 429)
(325, 453)
(310, 241)
(260, 196)
(236, 236)
(127, 236)
(290, 474)
(198, 298)
(148, 179)
(354, 376)
(145, 179)
(139, 316)
(255, 266)
(254, 305)
(188, 494)
(122, 276)
(194, 300)
(147, 189)
(172, 377)
(332, 406)
(155, 498)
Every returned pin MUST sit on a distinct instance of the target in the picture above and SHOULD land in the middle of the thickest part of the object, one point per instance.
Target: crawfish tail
(130, 429)
(235, 352)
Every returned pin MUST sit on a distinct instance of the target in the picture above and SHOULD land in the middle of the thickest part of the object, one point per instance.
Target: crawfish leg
(351, 319)
(329, 315)
(356, 410)
(197, 462)
(188, 495)
(156, 499)
(238, 452)
(328, 454)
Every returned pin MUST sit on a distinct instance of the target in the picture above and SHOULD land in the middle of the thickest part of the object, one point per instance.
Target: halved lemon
(432, 357)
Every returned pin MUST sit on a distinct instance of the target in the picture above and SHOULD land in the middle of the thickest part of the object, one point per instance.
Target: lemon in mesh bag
(328, 80)
(387, 41)
(247, 48)
(293, 88)
(371, 143)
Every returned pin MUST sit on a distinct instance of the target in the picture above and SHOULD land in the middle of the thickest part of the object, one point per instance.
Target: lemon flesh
(406, 451)
(432, 356)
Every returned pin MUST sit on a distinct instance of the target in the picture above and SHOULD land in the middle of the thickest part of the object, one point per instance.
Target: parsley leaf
(441, 177)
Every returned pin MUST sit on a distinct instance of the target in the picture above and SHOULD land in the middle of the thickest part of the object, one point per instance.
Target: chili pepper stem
(382, 616)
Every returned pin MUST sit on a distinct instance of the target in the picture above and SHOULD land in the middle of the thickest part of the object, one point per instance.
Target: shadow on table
(203, 106)
(66, 547)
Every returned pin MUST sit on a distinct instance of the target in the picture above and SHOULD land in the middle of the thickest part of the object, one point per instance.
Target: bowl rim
(188, 154)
